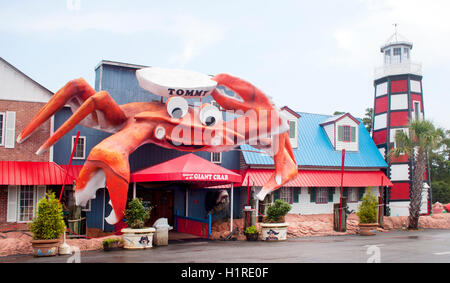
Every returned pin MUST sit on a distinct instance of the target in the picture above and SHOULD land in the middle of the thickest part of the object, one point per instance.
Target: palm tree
(422, 138)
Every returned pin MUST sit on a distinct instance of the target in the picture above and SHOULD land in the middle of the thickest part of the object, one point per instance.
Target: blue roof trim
(314, 148)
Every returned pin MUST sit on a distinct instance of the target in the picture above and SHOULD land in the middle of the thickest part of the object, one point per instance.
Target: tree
(422, 138)
(440, 169)
(338, 113)
(368, 119)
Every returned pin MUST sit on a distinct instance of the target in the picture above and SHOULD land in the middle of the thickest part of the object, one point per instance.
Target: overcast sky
(314, 56)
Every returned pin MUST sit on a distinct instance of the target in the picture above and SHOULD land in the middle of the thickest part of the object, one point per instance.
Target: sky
(313, 56)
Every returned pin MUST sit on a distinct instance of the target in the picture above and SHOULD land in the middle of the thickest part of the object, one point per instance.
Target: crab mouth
(183, 145)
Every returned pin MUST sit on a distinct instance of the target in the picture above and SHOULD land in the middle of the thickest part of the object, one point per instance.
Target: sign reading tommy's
(175, 82)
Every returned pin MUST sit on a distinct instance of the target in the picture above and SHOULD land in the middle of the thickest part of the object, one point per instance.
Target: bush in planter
(367, 212)
(48, 224)
(136, 214)
(251, 233)
(277, 211)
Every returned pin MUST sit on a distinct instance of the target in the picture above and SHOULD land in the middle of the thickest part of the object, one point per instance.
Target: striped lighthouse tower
(398, 100)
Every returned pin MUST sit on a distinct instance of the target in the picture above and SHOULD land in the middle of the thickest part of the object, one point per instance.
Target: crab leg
(107, 164)
(285, 167)
(101, 101)
(78, 88)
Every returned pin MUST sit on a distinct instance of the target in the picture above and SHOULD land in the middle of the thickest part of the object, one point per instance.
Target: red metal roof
(187, 168)
(321, 178)
(32, 173)
(73, 170)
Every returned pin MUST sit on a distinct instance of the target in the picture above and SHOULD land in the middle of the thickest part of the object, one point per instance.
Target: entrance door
(161, 202)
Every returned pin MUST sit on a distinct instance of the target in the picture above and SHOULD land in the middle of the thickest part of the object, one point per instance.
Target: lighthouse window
(346, 133)
(397, 55)
(406, 51)
(387, 56)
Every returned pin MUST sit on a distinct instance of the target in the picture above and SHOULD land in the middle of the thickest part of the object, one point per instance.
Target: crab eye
(209, 115)
(177, 107)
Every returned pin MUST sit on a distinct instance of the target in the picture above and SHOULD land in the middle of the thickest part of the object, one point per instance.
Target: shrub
(367, 210)
(251, 230)
(111, 242)
(48, 224)
(136, 214)
(277, 211)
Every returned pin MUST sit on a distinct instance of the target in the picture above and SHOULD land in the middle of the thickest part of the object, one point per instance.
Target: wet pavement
(396, 246)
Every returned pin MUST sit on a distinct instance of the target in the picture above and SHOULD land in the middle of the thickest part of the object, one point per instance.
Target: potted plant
(136, 236)
(367, 212)
(47, 226)
(112, 244)
(251, 233)
(274, 228)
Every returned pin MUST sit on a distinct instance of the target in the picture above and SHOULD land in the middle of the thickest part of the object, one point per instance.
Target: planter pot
(368, 229)
(138, 238)
(252, 236)
(274, 231)
(45, 247)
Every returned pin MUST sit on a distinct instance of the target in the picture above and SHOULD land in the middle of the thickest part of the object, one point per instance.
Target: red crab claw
(73, 93)
(108, 164)
(249, 97)
(285, 167)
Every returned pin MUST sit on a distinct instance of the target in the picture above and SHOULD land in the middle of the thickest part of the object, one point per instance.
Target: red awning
(73, 170)
(187, 168)
(322, 178)
(32, 173)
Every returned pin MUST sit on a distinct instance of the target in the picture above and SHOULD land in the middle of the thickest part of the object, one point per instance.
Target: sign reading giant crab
(175, 124)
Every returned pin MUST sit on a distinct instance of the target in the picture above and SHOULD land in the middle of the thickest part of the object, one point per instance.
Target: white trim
(10, 129)
(231, 209)
(220, 157)
(52, 130)
(87, 207)
(2, 136)
(84, 147)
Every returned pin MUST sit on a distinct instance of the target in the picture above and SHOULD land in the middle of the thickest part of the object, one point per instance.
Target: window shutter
(10, 129)
(353, 133)
(340, 133)
(12, 204)
(312, 195)
(296, 193)
(292, 129)
(361, 193)
(276, 195)
(330, 194)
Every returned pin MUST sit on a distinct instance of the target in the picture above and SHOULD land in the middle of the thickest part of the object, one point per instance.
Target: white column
(231, 220)
(134, 190)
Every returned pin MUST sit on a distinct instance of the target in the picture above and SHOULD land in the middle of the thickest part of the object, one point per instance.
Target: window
(2, 128)
(321, 195)
(387, 56)
(26, 206)
(80, 148)
(286, 194)
(406, 52)
(416, 110)
(216, 157)
(397, 55)
(353, 195)
(346, 133)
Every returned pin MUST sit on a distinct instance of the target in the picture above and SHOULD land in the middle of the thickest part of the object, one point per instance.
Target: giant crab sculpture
(168, 125)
